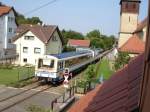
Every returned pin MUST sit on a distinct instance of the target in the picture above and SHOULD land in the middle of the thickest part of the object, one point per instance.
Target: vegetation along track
(11, 101)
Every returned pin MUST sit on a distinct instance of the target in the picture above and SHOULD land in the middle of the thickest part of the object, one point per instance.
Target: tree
(71, 35)
(22, 20)
(90, 73)
(100, 41)
(94, 34)
(122, 59)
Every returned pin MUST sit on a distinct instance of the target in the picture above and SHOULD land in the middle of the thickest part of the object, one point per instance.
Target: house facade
(37, 41)
(8, 27)
(141, 29)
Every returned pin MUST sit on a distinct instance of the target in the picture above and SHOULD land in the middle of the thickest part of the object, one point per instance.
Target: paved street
(42, 99)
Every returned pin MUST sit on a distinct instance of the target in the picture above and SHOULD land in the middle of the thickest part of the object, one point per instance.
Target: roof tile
(133, 45)
(81, 43)
(44, 33)
(4, 10)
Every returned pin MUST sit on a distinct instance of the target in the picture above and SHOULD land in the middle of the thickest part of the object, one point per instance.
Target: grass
(103, 68)
(11, 76)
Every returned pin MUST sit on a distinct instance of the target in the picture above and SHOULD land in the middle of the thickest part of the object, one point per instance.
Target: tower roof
(130, 1)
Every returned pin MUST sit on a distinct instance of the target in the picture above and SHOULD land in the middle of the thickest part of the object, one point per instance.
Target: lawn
(8, 76)
(103, 68)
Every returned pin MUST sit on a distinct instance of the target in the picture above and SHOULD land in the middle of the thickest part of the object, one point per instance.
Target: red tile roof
(141, 26)
(4, 10)
(80, 43)
(44, 33)
(133, 45)
(118, 94)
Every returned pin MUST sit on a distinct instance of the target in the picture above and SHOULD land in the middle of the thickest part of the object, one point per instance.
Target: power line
(40, 7)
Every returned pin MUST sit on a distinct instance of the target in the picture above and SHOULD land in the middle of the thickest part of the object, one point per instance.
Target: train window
(52, 64)
(40, 63)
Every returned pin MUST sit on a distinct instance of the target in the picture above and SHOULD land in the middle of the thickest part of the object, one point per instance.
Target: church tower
(128, 19)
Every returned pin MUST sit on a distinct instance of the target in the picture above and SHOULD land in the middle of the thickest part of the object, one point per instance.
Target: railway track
(13, 100)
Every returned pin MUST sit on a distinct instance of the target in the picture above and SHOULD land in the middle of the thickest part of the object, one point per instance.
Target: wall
(31, 44)
(54, 47)
(11, 24)
(128, 22)
(2, 34)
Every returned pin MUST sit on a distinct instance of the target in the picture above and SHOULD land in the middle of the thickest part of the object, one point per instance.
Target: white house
(8, 27)
(32, 42)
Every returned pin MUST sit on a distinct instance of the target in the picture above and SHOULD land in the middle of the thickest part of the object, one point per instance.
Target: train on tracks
(51, 68)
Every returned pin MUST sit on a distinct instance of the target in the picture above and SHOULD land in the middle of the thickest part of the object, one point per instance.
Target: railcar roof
(69, 54)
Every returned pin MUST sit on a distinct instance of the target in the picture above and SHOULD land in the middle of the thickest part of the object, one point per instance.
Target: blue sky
(79, 15)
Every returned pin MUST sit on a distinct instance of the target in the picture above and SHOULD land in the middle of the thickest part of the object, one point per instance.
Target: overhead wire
(40, 7)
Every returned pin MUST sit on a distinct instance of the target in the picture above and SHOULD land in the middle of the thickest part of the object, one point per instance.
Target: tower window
(129, 19)
(134, 6)
(127, 6)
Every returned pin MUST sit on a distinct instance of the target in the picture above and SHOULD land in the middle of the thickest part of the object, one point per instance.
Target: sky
(79, 15)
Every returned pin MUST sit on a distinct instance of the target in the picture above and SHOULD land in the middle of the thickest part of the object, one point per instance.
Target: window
(25, 60)
(37, 50)
(10, 30)
(54, 38)
(134, 6)
(29, 37)
(10, 19)
(25, 49)
(52, 64)
(9, 40)
(126, 5)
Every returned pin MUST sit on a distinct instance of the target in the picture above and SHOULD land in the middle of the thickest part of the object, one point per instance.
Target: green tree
(71, 35)
(122, 59)
(94, 34)
(90, 73)
(22, 20)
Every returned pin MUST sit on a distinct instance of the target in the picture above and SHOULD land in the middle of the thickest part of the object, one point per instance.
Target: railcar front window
(46, 64)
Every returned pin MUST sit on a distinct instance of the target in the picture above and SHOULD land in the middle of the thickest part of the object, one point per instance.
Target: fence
(56, 104)
(25, 73)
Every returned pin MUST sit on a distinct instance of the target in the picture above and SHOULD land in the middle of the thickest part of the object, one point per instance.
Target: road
(42, 99)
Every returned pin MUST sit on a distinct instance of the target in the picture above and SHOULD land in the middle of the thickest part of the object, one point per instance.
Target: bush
(6, 66)
(68, 49)
(122, 59)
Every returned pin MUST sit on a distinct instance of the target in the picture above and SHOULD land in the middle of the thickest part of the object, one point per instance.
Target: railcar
(51, 67)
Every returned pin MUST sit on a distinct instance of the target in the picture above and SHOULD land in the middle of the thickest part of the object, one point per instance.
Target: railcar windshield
(46, 63)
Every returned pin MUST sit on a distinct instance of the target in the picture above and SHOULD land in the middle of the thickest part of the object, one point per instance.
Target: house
(34, 41)
(141, 30)
(78, 43)
(8, 27)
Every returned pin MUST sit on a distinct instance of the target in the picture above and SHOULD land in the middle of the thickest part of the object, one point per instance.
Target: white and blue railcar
(51, 67)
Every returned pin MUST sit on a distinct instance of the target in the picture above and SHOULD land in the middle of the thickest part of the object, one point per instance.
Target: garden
(11, 75)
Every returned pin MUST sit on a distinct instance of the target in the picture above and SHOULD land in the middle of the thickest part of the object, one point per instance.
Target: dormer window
(29, 37)
(54, 38)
